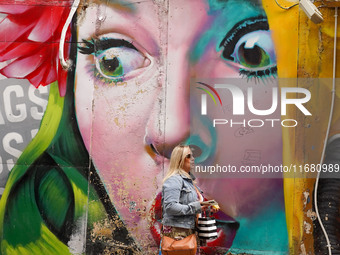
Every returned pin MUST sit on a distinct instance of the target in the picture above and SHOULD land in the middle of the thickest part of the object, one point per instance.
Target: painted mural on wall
(121, 76)
(21, 112)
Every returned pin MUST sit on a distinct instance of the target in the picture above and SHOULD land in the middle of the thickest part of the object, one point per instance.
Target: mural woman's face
(134, 67)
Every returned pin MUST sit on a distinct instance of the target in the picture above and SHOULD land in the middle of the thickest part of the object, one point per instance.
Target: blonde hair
(177, 162)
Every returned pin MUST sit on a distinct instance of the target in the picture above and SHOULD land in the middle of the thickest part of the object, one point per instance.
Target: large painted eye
(255, 50)
(116, 57)
(117, 62)
(249, 45)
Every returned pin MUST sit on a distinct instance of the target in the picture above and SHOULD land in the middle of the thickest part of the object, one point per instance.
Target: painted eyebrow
(107, 43)
(95, 45)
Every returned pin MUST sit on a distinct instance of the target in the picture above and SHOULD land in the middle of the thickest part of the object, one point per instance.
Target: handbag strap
(172, 242)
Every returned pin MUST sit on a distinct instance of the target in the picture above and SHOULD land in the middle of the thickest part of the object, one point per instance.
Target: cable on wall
(66, 64)
(327, 135)
(285, 8)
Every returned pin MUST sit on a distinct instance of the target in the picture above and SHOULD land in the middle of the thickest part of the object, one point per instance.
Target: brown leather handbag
(186, 246)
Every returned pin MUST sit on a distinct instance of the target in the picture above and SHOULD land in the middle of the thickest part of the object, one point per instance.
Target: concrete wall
(141, 77)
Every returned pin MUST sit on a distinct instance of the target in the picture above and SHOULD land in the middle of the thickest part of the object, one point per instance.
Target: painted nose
(169, 123)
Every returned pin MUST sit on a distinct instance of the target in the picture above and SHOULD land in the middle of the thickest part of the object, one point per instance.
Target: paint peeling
(303, 249)
(132, 206)
(77, 241)
(116, 120)
(104, 234)
(306, 198)
(307, 226)
(142, 91)
(312, 215)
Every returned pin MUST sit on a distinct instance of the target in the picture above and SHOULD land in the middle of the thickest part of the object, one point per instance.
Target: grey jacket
(179, 202)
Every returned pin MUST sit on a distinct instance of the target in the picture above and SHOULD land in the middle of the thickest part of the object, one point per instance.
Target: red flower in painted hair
(30, 35)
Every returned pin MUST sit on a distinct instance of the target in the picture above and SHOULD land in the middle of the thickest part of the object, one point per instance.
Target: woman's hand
(213, 209)
(204, 207)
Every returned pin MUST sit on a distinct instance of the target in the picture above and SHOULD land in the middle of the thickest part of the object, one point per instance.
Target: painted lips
(226, 229)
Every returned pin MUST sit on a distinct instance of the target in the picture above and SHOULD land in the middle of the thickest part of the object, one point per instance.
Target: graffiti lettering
(6, 143)
(22, 107)
(17, 112)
